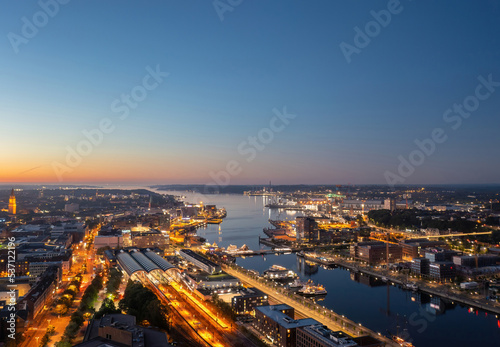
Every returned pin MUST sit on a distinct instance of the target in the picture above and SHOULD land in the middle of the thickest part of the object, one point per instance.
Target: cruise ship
(310, 289)
(277, 272)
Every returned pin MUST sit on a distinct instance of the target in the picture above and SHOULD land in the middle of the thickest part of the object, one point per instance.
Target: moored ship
(402, 342)
(310, 289)
(297, 283)
(277, 272)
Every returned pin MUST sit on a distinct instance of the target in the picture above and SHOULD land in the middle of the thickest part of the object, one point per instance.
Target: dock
(319, 260)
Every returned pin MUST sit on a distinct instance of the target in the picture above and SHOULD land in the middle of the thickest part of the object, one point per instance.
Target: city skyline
(386, 92)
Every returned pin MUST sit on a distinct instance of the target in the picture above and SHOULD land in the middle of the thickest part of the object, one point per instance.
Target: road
(47, 317)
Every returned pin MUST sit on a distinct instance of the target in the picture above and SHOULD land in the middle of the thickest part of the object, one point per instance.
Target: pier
(319, 260)
(262, 252)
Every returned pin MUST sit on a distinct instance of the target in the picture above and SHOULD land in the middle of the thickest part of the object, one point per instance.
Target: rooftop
(329, 337)
(275, 313)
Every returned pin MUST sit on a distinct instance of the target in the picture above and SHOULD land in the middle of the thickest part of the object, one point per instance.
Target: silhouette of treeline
(411, 219)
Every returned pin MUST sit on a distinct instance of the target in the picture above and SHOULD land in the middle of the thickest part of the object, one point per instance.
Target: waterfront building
(442, 271)
(200, 261)
(320, 336)
(276, 323)
(420, 266)
(473, 261)
(220, 283)
(414, 248)
(375, 252)
(306, 229)
(247, 299)
(440, 254)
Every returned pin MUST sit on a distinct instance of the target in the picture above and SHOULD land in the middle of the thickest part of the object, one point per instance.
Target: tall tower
(12, 203)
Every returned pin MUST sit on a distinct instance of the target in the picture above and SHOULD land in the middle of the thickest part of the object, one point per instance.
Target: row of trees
(84, 311)
(51, 330)
(223, 307)
(141, 302)
(114, 281)
(108, 304)
(403, 219)
(68, 296)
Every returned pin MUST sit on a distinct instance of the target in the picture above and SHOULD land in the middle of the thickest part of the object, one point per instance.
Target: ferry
(310, 289)
(277, 272)
(214, 221)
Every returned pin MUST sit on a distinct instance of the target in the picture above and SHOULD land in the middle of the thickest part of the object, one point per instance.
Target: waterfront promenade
(437, 289)
(304, 306)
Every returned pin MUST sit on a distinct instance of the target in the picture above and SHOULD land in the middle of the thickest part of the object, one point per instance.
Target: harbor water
(382, 307)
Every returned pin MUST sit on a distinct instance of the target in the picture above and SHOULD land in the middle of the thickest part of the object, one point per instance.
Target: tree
(107, 307)
(101, 250)
(61, 309)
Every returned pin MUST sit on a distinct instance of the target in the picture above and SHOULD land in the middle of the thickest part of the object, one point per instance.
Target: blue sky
(352, 121)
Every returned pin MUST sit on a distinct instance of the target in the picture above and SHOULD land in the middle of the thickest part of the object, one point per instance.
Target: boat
(214, 221)
(278, 272)
(411, 285)
(401, 342)
(297, 283)
(310, 289)
(222, 213)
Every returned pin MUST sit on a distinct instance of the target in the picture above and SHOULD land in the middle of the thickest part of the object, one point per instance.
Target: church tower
(12, 203)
